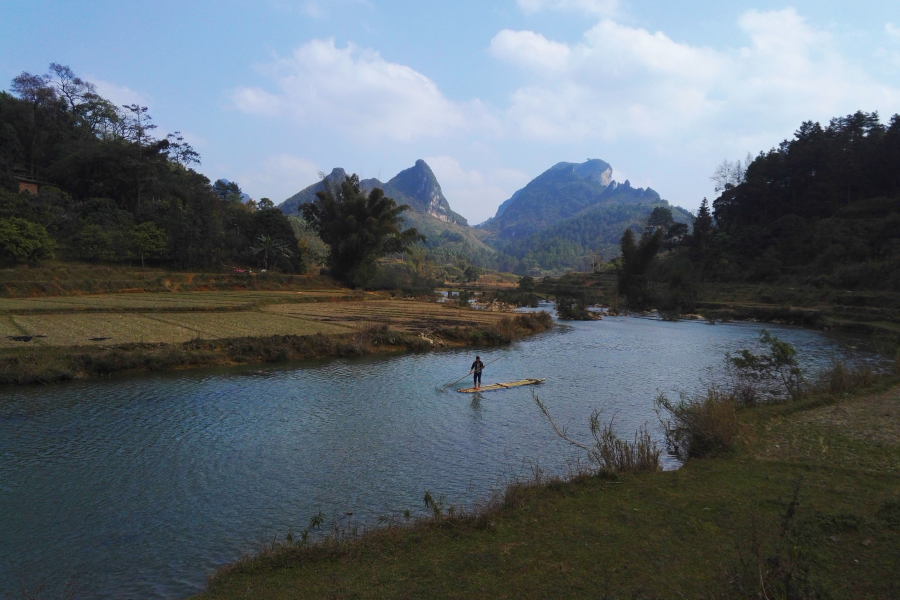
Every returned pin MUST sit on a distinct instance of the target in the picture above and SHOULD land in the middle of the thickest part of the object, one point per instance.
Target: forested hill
(823, 207)
(417, 186)
(85, 179)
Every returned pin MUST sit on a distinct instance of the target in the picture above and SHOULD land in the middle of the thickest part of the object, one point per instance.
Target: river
(138, 486)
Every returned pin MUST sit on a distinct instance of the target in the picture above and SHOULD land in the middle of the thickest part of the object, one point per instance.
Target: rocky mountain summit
(561, 192)
(417, 186)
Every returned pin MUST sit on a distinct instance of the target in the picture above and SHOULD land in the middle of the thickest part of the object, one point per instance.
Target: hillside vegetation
(821, 209)
(108, 190)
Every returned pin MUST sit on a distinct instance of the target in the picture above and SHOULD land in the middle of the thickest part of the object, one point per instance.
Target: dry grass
(703, 426)
(176, 318)
(165, 301)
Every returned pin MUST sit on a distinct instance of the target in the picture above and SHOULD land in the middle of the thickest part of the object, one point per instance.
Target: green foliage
(577, 242)
(572, 308)
(103, 172)
(358, 229)
(472, 273)
(822, 208)
(24, 241)
(147, 239)
(636, 259)
(753, 374)
(661, 217)
(95, 243)
(526, 283)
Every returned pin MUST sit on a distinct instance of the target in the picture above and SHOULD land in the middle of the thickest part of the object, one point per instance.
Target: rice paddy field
(179, 317)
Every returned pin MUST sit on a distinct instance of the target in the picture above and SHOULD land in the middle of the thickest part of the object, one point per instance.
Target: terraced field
(180, 317)
(399, 314)
(177, 301)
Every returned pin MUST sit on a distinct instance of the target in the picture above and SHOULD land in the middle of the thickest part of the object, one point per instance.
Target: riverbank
(811, 496)
(874, 313)
(419, 332)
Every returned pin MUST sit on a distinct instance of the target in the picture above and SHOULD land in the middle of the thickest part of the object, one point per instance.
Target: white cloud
(530, 50)
(597, 7)
(622, 81)
(471, 192)
(893, 31)
(119, 94)
(279, 177)
(357, 91)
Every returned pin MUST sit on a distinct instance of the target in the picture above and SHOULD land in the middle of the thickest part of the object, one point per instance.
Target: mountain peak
(418, 187)
(561, 192)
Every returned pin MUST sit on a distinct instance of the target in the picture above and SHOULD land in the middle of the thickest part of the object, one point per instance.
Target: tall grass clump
(608, 453)
(841, 379)
(700, 427)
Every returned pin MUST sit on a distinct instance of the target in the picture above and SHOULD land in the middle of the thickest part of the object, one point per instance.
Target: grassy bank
(806, 502)
(63, 363)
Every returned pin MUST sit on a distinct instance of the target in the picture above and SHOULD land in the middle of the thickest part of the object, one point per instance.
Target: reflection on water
(139, 486)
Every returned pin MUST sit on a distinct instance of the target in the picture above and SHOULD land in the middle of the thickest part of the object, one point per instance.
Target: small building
(28, 184)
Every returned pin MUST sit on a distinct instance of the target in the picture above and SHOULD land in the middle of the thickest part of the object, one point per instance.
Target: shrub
(609, 453)
(840, 379)
(753, 374)
(698, 427)
(24, 241)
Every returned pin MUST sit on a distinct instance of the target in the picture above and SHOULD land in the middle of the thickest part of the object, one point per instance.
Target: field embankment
(62, 338)
(808, 502)
(55, 278)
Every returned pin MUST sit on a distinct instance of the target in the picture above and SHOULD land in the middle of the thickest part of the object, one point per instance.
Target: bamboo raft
(501, 386)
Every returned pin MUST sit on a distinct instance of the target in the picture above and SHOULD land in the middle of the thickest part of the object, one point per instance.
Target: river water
(138, 486)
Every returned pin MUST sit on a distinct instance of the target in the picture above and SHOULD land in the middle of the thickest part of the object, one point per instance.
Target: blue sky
(489, 93)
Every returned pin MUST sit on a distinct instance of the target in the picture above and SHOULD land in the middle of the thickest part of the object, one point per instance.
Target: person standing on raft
(477, 368)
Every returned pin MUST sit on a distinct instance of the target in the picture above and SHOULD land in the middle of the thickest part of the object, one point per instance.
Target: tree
(228, 191)
(180, 152)
(358, 229)
(73, 90)
(138, 126)
(636, 259)
(730, 174)
(269, 246)
(24, 241)
(472, 273)
(265, 204)
(703, 224)
(94, 243)
(147, 239)
(660, 217)
(36, 92)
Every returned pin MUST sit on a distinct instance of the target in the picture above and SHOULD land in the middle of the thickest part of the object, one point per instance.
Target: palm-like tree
(358, 228)
(269, 246)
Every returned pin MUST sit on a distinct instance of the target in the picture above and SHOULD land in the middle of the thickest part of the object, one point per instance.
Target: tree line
(821, 209)
(111, 190)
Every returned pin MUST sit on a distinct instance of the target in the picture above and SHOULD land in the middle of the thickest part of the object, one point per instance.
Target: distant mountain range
(567, 213)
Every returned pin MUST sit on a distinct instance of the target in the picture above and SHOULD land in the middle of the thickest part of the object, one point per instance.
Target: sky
(490, 94)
